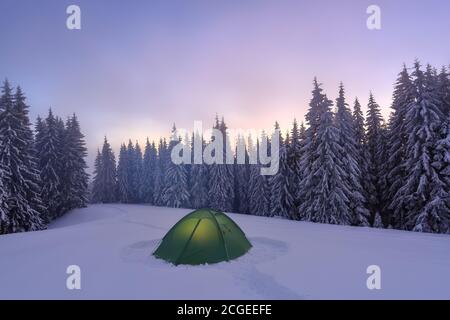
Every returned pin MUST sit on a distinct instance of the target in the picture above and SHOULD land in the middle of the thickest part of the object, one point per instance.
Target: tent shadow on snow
(203, 236)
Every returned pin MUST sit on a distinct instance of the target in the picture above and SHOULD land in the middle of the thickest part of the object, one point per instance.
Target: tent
(203, 236)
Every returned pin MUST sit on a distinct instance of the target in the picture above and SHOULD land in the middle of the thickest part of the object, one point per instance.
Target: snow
(289, 260)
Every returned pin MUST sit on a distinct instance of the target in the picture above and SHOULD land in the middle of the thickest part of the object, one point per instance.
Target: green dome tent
(203, 236)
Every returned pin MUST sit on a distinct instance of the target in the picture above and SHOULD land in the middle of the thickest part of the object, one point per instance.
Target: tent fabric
(203, 236)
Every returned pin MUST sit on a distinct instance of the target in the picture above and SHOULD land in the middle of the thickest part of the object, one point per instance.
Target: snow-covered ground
(112, 244)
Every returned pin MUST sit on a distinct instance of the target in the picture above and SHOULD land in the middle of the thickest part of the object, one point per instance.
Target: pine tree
(374, 143)
(22, 202)
(443, 88)
(74, 176)
(31, 174)
(259, 189)
(96, 184)
(122, 175)
(138, 172)
(160, 173)
(378, 223)
(394, 172)
(281, 199)
(241, 177)
(199, 178)
(421, 204)
(318, 106)
(294, 154)
(132, 173)
(49, 155)
(350, 158)
(148, 172)
(4, 219)
(105, 178)
(176, 192)
(325, 189)
(221, 180)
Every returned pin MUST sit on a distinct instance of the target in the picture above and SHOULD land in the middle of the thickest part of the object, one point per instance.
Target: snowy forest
(42, 171)
(336, 167)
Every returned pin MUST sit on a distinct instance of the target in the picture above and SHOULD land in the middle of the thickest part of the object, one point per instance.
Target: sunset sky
(137, 66)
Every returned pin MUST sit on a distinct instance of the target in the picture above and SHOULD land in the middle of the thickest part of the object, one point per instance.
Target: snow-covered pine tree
(74, 175)
(378, 222)
(241, 177)
(105, 179)
(294, 154)
(176, 191)
(32, 174)
(199, 178)
(444, 91)
(24, 209)
(259, 189)
(96, 183)
(318, 105)
(441, 163)
(421, 204)
(350, 156)
(375, 152)
(160, 173)
(148, 172)
(394, 173)
(122, 175)
(50, 166)
(221, 181)
(325, 189)
(139, 170)
(4, 219)
(133, 177)
(281, 199)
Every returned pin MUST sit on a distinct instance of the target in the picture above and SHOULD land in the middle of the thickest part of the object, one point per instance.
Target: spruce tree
(148, 172)
(350, 158)
(293, 155)
(133, 176)
(242, 176)
(74, 175)
(138, 179)
(96, 184)
(259, 189)
(122, 176)
(221, 180)
(375, 152)
(421, 204)
(325, 189)
(4, 219)
(50, 156)
(176, 191)
(443, 88)
(281, 199)
(394, 172)
(318, 105)
(105, 178)
(22, 202)
(160, 173)
(199, 178)
(378, 223)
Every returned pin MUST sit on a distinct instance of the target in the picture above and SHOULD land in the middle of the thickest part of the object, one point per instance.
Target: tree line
(42, 171)
(341, 167)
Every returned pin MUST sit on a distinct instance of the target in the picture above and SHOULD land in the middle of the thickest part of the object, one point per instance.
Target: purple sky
(138, 66)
